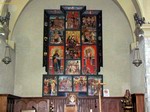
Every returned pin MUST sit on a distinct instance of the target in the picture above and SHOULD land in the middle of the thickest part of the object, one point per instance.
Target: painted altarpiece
(72, 50)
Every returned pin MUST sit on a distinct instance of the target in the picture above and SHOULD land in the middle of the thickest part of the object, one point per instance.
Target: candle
(91, 110)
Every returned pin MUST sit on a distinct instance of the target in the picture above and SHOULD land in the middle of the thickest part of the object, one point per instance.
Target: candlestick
(91, 110)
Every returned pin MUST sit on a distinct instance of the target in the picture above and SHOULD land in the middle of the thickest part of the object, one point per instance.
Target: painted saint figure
(56, 61)
(53, 86)
(56, 38)
(47, 87)
(90, 68)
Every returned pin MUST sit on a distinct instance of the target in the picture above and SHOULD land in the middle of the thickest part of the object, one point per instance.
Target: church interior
(119, 62)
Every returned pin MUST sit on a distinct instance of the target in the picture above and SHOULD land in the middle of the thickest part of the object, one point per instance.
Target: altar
(70, 108)
(109, 104)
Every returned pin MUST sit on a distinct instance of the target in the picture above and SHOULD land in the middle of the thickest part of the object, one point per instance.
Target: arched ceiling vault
(16, 7)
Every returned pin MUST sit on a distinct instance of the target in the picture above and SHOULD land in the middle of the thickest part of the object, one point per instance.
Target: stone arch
(122, 5)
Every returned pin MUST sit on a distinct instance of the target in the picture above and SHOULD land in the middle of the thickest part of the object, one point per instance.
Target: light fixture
(137, 60)
(5, 19)
(4, 23)
(7, 57)
(139, 32)
(2, 31)
(139, 20)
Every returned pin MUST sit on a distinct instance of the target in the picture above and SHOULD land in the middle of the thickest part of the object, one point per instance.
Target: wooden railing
(109, 104)
(11, 103)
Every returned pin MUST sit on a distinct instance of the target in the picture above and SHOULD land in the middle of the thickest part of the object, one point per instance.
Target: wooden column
(138, 102)
(7, 102)
(3, 103)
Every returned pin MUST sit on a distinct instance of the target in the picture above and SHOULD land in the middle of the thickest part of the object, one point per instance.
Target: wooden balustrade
(40, 104)
(109, 104)
(10, 103)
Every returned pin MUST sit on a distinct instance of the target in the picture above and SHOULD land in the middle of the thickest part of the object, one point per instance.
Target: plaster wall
(6, 71)
(138, 73)
(7, 74)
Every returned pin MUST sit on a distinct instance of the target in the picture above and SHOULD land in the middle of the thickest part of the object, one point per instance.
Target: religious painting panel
(65, 83)
(93, 85)
(49, 85)
(88, 36)
(89, 21)
(73, 52)
(72, 20)
(89, 60)
(80, 83)
(56, 60)
(56, 35)
(89, 25)
(72, 38)
(73, 67)
(72, 98)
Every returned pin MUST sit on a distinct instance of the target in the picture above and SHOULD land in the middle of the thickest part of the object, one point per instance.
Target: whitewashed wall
(6, 72)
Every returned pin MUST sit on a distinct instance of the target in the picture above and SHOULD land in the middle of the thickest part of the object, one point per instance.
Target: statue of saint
(127, 102)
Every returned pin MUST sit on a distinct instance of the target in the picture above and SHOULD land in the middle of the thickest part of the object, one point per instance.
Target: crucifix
(99, 94)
